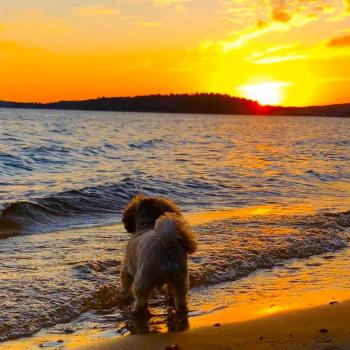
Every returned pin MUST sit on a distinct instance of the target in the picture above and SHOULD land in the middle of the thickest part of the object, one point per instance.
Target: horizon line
(167, 95)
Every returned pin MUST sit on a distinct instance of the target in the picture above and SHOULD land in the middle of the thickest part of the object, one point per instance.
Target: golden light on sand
(268, 93)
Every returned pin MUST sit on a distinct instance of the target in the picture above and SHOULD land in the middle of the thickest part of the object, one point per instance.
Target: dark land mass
(186, 103)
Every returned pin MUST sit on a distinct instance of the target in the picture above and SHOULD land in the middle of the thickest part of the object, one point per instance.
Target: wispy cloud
(340, 41)
(179, 6)
(279, 59)
(142, 23)
(276, 54)
(262, 17)
(280, 14)
(96, 11)
(259, 54)
(237, 39)
(293, 12)
(168, 2)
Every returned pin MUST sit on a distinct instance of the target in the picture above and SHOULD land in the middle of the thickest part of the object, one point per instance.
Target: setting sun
(269, 93)
(74, 50)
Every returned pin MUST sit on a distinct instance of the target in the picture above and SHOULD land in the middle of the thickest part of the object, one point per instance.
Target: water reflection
(169, 322)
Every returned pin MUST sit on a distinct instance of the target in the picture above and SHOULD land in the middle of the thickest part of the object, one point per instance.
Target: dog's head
(142, 212)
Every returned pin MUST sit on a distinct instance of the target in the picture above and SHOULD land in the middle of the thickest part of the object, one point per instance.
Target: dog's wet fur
(156, 254)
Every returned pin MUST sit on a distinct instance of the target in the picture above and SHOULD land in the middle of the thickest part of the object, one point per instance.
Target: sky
(293, 53)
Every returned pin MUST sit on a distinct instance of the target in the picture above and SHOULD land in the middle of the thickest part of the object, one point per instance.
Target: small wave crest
(247, 245)
(91, 206)
(77, 207)
(146, 144)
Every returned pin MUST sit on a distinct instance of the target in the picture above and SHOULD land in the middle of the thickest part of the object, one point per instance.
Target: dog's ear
(149, 209)
(167, 206)
(129, 214)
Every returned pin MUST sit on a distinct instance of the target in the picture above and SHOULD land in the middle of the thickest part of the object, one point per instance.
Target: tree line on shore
(199, 103)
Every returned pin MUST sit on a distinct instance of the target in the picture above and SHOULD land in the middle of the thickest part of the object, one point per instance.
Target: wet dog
(156, 254)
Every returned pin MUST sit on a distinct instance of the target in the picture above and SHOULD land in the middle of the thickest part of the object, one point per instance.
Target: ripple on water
(72, 272)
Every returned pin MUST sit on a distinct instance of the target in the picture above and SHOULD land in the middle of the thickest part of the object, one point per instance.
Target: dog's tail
(173, 228)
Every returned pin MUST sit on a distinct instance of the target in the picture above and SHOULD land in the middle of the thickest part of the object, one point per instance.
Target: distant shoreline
(186, 104)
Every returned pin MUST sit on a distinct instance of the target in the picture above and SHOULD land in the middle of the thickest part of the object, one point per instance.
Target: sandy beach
(325, 327)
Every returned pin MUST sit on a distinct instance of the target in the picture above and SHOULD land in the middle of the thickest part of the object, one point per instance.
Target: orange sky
(294, 52)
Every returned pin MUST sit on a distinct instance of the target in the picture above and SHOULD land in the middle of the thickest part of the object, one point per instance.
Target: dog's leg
(141, 292)
(126, 280)
(169, 293)
(180, 285)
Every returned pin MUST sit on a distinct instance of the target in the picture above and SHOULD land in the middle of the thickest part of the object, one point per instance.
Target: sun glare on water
(270, 93)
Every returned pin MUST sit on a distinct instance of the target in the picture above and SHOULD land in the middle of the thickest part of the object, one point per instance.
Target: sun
(269, 93)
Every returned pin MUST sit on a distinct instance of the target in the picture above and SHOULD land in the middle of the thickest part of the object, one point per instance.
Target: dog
(156, 254)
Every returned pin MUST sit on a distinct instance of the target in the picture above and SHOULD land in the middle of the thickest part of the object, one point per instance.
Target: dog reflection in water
(156, 254)
(157, 324)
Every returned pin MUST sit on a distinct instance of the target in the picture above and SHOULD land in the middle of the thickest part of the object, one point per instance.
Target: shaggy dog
(156, 255)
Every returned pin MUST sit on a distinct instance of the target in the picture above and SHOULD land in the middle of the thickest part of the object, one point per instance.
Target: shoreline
(314, 321)
(323, 327)
(285, 289)
(273, 313)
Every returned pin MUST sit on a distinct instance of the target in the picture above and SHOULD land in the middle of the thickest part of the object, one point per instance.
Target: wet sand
(325, 327)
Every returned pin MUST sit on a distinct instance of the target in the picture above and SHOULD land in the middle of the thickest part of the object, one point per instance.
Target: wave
(250, 244)
(102, 204)
(146, 144)
(90, 205)
(228, 250)
(232, 249)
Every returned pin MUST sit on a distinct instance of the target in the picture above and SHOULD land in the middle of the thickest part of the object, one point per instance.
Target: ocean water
(66, 175)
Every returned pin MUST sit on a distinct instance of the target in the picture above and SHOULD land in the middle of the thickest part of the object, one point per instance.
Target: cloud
(239, 39)
(261, 18)
(179, 5)
(147, 24)
(168, 2)
(270, 50)
(276, 54)
(280, 58)
(281, 11)
(96, 11)
(340, 41)
(280, 15)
